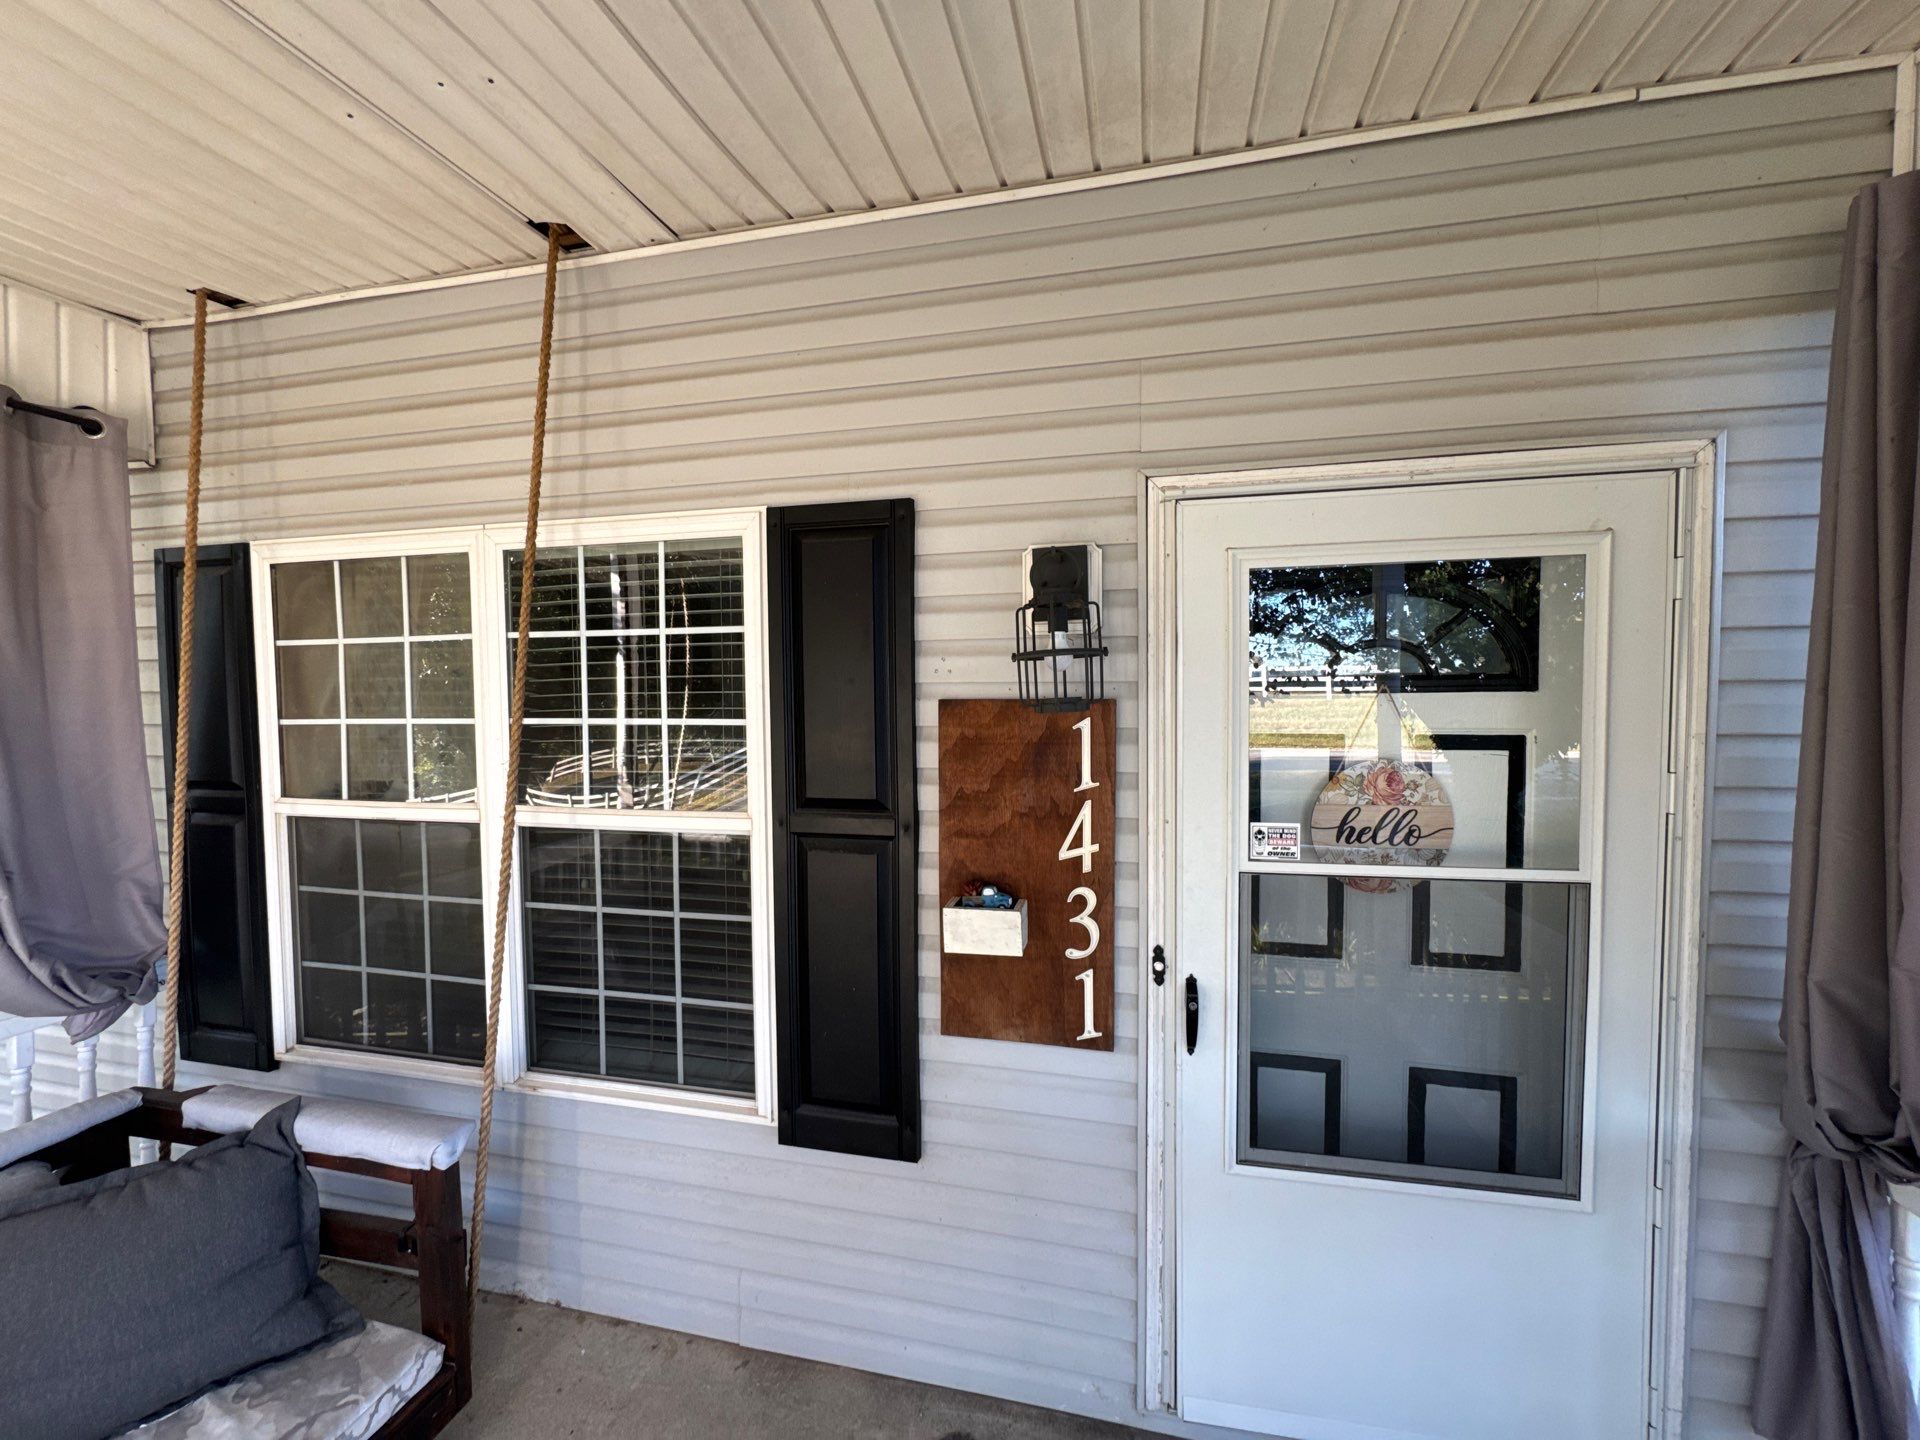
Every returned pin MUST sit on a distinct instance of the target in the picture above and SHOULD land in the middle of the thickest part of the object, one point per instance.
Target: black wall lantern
(1058, 650)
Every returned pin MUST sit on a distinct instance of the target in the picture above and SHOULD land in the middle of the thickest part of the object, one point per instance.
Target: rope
(183, 706)
(516, 722)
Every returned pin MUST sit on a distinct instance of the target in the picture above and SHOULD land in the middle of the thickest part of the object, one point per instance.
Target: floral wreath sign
(1382, 812)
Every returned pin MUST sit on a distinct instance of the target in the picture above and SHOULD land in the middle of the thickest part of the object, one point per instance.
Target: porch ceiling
(279, 148)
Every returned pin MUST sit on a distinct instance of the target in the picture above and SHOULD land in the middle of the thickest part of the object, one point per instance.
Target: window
(637, 961)
(636, 930)
(374, 681)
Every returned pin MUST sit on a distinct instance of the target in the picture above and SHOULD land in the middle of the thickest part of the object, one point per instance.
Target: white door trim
(1697, 570)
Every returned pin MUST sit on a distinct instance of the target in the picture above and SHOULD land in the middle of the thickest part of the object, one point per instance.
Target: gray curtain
(1830, 1366)
(81, 933)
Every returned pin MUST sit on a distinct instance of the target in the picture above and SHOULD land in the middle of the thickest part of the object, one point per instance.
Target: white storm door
(1415, 1131)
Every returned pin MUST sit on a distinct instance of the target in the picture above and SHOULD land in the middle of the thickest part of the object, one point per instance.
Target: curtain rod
(89, 424)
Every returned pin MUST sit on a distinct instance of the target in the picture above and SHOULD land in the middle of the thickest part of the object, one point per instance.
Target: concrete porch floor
(545, 1373)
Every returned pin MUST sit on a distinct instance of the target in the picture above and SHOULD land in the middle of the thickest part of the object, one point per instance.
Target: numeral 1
(1087, 782)
(1087, 1032)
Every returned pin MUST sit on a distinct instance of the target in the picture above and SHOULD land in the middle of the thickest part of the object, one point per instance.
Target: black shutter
(840, 611)
(226, 1010)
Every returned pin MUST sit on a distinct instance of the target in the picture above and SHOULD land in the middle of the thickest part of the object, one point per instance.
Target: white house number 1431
(1080, 845)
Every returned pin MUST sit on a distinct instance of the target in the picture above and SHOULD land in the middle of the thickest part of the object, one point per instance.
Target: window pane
(330, 1010)
(396, 933)
(639, 950)
(328, 928)
(443, 763)
(563, 948)
(631, 931)
(309, 682)
(459, 1020)
(396, 1013)
(558, 866)
(556, 590)
(703, 583)
(552, 770)
(453, 860)
(716, 960)
(565, 1033)
(370, 597)
(389, 855)
(713, 874)
(439, 599)
(636, 870)
(642, 1039)
(553, 677)
(1418, 713)
(376, 682)
(625, 774)
(442, 679)
(360, 904)
(719, 1049)
(303, 601)
(457, 933)
(310, 761)
(623, 677)
(324, 853)
(383, 678)
(706, 677)
(1429, 1032)
(622, 587)
(707, 766)
(376, 762)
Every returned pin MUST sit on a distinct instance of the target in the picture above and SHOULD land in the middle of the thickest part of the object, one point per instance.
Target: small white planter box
(970, 930)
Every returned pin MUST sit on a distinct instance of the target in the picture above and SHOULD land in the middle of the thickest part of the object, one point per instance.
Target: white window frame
(487, 547)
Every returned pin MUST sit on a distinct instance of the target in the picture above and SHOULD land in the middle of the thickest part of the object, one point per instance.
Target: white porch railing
(20, 1050)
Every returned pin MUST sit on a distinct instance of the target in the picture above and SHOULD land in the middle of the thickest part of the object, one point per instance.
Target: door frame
(1697, 571)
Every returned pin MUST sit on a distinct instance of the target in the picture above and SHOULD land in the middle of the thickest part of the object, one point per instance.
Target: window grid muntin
(407, 640)
(427, 898)
(601, 993)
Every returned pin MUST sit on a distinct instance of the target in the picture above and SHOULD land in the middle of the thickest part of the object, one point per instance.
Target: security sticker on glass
(1273, 842)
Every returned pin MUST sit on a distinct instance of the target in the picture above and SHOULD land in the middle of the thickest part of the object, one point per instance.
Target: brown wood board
(1008, 801)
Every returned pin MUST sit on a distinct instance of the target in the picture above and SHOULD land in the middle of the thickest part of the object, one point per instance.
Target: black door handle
(1193, 1013)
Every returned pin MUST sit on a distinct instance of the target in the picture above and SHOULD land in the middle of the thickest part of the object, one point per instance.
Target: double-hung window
(637, 953)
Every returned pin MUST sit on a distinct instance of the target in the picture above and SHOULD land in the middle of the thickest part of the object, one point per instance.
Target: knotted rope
(516, 722)
(183, 706)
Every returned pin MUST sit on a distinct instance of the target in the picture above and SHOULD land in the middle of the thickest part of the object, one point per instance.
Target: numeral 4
(1082, 831)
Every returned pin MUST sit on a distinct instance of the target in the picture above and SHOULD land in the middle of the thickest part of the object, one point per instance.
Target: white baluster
(1906, 1275)
(145, 1152)
(20, 1081)
(143, 1043)
(86, 1066)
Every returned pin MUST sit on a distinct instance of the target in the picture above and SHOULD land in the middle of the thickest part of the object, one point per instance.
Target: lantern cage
(1058, 650)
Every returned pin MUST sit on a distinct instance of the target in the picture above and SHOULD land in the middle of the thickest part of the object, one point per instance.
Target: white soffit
(274, 149)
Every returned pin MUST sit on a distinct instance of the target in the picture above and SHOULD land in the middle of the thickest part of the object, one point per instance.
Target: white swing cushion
(344, 1389)
(351, 1129)
(68, 1121)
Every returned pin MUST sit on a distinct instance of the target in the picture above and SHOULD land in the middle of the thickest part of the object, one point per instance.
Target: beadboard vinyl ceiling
(273, 149)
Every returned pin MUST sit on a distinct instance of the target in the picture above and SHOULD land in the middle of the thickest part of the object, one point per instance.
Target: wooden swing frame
(431, 1244)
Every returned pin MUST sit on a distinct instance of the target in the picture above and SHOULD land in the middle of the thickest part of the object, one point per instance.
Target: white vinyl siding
(1636, 272)
(56, 352)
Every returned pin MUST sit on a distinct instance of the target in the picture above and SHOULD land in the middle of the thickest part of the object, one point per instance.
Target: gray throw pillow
(129, 1294)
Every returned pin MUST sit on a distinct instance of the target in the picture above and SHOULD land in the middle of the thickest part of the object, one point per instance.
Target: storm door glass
(1452, 691)
(1409, 721)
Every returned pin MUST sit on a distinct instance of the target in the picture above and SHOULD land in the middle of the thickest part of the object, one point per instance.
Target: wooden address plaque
(1026, 803)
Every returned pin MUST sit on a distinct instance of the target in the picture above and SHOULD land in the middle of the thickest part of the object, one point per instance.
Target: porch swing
(383, 1382)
